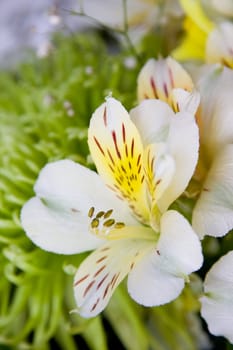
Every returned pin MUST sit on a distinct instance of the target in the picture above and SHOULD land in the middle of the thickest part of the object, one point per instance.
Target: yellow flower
(204, 39)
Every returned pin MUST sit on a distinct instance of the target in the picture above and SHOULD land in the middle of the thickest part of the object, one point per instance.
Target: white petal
(152, 118)
(163, 270)
(57, 220)
(213, 213)
(65, 184)
(185, 101)
(150, 285)
(216, 114)
(100, 274)
(56, 231)
(183, 145)
(217, 304)
(179, 244)
(219, 45)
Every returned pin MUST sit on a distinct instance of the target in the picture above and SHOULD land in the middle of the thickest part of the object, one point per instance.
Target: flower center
(102, 222)
(103, 225)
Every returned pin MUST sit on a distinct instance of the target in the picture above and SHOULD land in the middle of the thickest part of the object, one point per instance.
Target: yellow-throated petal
(117, 151)
(158, 123)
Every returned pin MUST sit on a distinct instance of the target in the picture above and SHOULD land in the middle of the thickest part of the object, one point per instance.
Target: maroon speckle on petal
(100, 270)
(111, 157)
(114, 279)
(206, 189)
(102, 281)
(88, 288)
(116, 145)
(152, 83)
(104, 249)
(99, 146)
(171, 77)
(106, 290)
(165, 89)
(81, 280)
(105, 116)
(132, 148)
(101, 259)
(94, 306)
(123, 132)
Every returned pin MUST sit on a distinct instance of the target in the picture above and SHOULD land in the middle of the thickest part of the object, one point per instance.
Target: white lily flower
(145, 162)
(213, 212)
(217, 303)
(167, 80)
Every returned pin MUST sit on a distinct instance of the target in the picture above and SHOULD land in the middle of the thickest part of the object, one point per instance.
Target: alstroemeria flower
(217, 303)
(145, 161)
(167, 80)
(213, 212)
(205, 40)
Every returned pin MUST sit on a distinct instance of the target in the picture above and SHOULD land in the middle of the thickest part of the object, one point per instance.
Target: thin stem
(125, 14)
(124, 32)
(94, 20)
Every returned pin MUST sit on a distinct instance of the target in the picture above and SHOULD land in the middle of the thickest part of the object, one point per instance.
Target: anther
(108, 213)
(91, 212)
(95, 223)
(119, 225)
(109, 222)
(100, 214)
